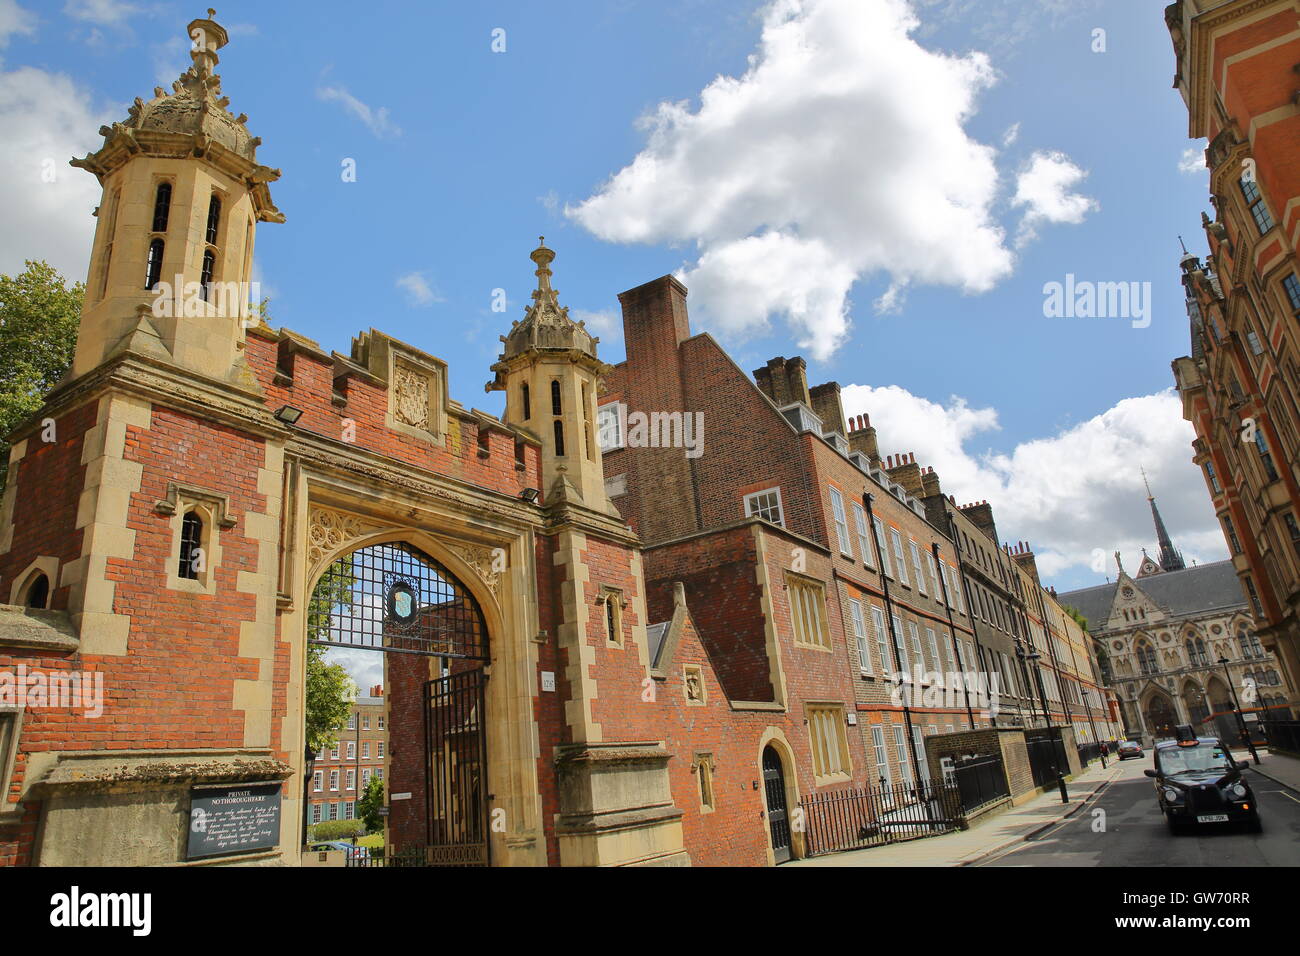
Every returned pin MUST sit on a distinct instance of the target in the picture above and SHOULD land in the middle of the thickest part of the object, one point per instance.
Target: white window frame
(841, 522)
(317, 781)
(916, 565)
(923, 765)
(940, 665)
(882, 638)
(904, 761)
(918, 651)
(750, 511)
(864, 536)
(934, 574)
(898, 639)
(883, 770)
(860, 635)
(350, 781)
(334, 780)
(609, 423)
(885, 565)
(900, 561)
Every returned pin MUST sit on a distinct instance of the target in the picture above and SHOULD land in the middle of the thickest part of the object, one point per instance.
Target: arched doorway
(1160, 716)
(778, 814)
(1195, 702)
(393, 598)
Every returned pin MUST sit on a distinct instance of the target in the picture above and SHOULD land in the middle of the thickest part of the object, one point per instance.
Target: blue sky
(465, 155)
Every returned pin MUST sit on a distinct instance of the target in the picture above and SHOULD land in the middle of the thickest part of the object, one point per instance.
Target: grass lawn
(374, 840)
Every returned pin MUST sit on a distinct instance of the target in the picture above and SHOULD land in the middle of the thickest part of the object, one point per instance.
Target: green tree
(330, 695)
(369, 804)
(39, 315)
(330, 691)
(1077, 615)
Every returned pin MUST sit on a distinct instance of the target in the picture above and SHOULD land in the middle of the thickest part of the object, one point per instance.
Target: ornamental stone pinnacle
(191, 120)
(546, 323)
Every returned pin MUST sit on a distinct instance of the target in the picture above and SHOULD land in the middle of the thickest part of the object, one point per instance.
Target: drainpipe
(1082, 690)
(970, 605)
(952, 630)
(867, 498)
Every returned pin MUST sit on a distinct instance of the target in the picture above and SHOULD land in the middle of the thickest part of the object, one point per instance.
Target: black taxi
(1197, 782)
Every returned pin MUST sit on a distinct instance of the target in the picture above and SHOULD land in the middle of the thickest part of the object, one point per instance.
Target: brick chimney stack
(930, 483)
(980, 514)
(655, 320)
(826, 403)
(1024, 556)
(784, 381)
(377, 690)
(908, 474)
(862, 437)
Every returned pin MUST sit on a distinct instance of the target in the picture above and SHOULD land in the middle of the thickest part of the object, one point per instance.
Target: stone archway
(393, 598)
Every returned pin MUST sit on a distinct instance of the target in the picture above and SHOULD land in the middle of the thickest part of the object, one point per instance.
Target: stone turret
(172, 260)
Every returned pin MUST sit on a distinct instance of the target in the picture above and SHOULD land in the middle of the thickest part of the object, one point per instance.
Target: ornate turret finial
(1150, 496)
(543, 257)
(206, 38)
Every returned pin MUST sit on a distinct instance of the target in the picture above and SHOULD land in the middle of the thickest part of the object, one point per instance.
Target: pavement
(989, 836)
(1112, 819)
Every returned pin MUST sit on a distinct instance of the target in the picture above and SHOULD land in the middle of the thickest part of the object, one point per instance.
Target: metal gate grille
(393, 597)
(456, 745)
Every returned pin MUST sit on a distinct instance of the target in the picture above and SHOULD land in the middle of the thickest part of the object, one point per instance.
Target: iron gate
(456, 745)
(778, 820)
(394, 598)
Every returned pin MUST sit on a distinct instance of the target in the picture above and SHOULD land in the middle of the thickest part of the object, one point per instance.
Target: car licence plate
(1213, 818)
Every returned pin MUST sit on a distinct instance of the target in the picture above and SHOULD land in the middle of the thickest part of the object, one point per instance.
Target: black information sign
(236, 819)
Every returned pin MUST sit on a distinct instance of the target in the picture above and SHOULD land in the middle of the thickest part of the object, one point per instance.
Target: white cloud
(1043, 187)
(376, 120)
(1192, 160)
(418, 290)
(1000, 26)
(1071, 494)
(14, 20)
(47, 119)
(1011, 135)
(605, 323)
(815, 169)
(103, 12)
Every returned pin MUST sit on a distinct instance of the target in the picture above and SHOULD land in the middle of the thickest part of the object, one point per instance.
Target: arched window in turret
(214, 219)
(559, 438)
(153, 268)
(528, 402)
(205, 276)
(162, 204)
(556, 406)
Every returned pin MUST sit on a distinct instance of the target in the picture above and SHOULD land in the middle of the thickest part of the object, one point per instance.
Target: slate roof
(1195, 590)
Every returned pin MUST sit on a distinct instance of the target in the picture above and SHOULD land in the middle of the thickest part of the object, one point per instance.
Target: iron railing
(980, 780)
(874, 816)
(1088, 753)
(1283, 735)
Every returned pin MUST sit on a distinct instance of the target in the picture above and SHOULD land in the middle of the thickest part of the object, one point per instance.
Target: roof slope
(1194, 590)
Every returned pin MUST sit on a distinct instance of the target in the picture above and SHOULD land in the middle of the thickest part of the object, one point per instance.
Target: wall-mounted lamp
(529, 495)
(288, 414)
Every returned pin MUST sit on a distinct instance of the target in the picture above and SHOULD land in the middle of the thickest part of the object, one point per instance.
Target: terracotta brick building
(1240, 384)
(341, 774)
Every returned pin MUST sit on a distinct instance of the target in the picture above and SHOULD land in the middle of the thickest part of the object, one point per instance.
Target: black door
(778, 818)
(456, 749)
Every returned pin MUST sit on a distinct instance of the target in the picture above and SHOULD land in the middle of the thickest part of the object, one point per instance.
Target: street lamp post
(1033, 657)
(1241, 720)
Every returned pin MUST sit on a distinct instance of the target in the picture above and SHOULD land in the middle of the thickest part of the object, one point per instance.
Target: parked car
(1128, 748)
(352, 852)
(1198, 783)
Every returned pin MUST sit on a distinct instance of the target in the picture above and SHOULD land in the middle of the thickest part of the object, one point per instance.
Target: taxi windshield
(1201, 758)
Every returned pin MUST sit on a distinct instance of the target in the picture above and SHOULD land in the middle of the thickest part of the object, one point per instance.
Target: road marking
(1284, 793)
